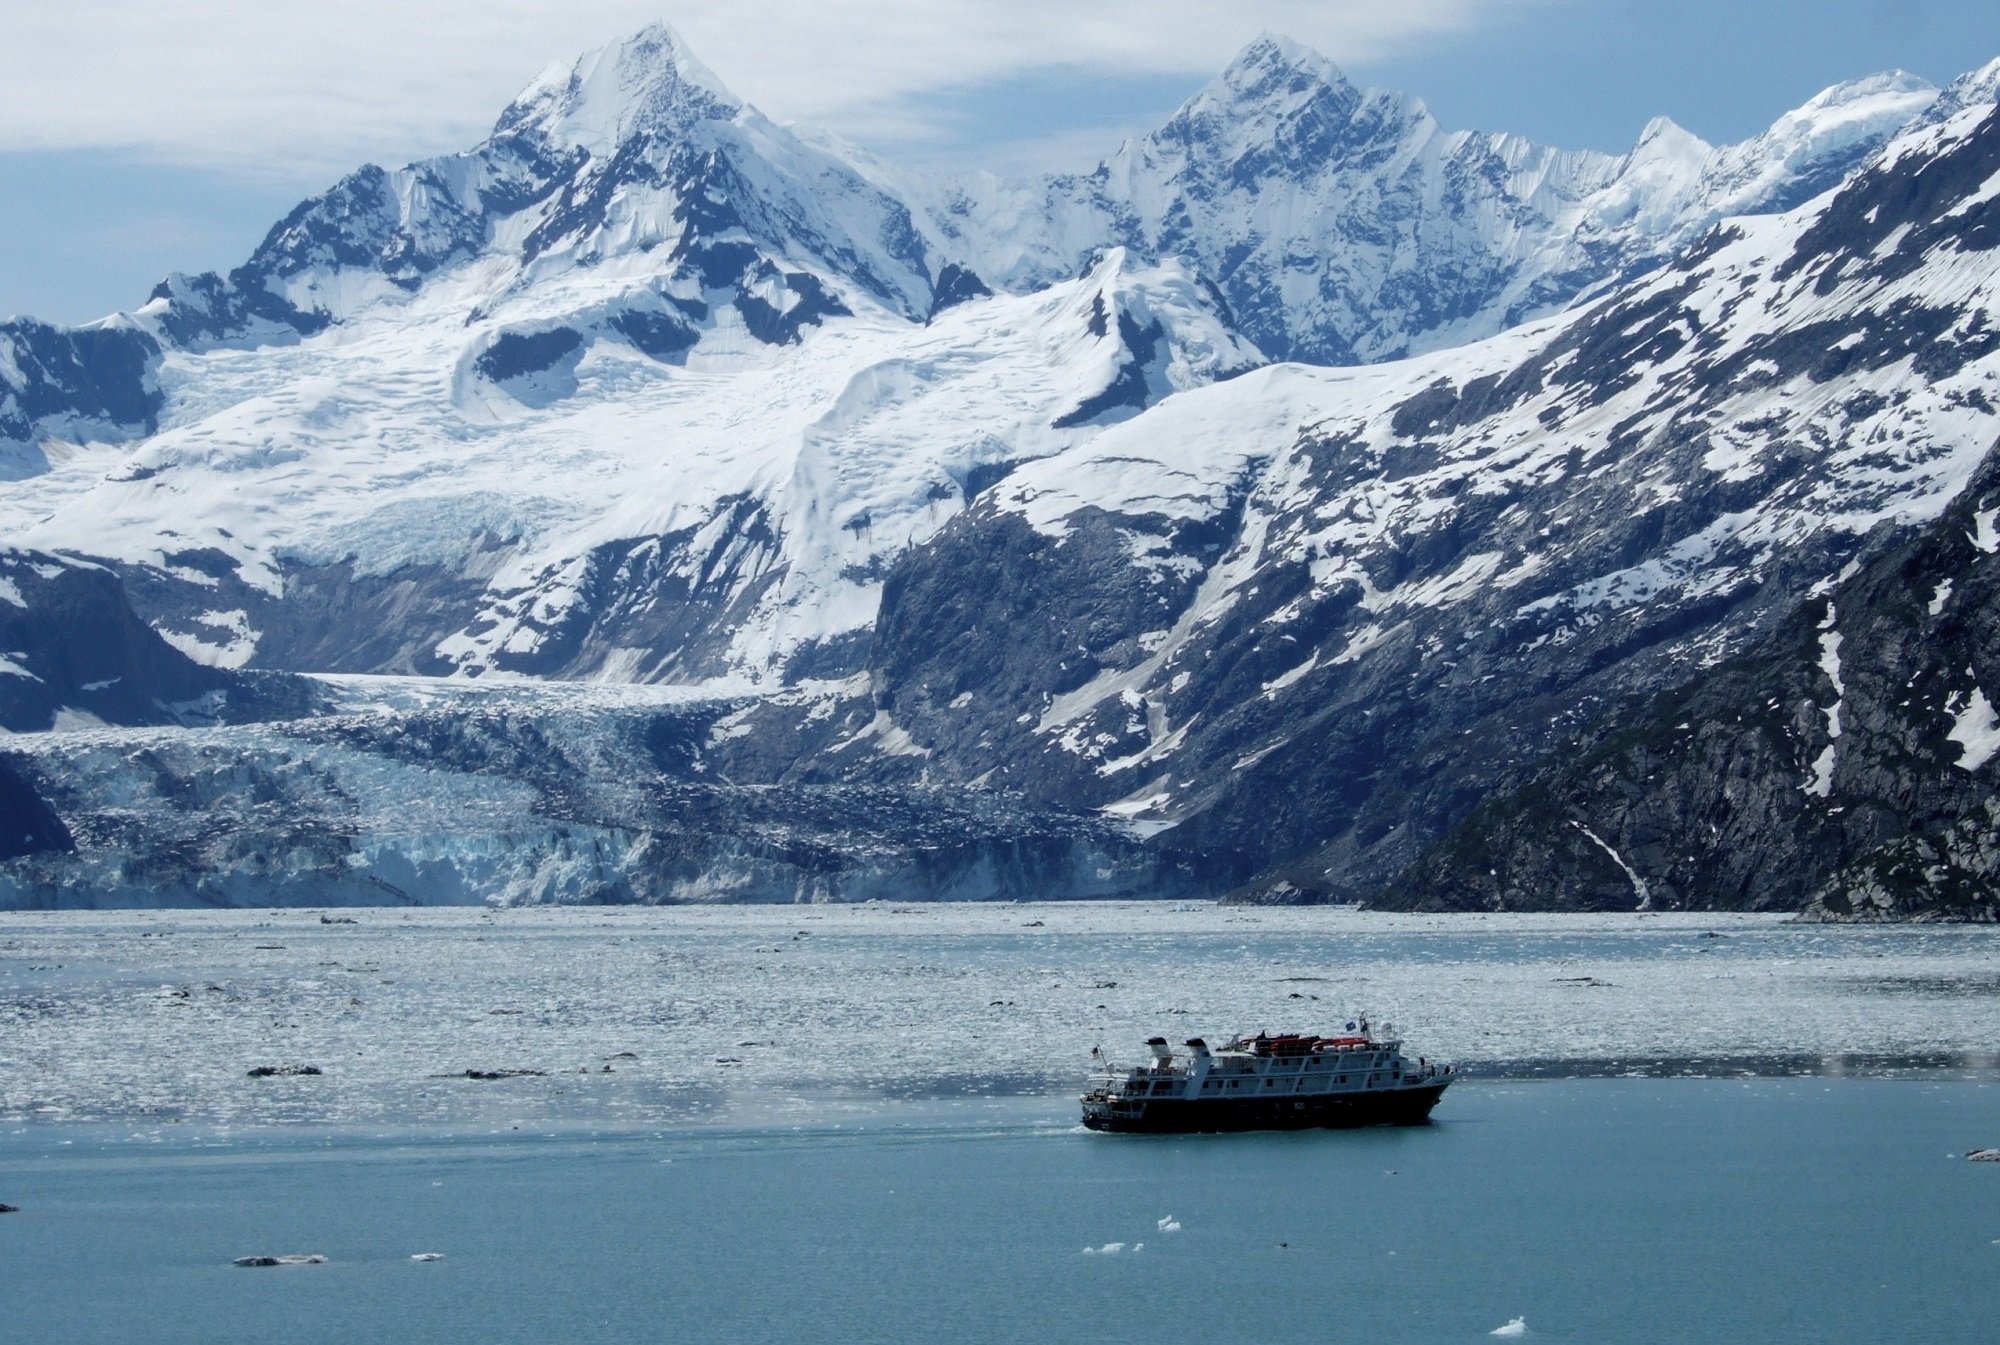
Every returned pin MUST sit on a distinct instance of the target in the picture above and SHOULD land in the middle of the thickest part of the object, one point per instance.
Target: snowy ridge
(644, 389)
(633, 151)
(1346, 225)
(775, 491)
(630, 197)
(1597, 502)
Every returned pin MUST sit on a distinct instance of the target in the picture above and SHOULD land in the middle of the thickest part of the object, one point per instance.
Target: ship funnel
(1160, 1051)
(1199, 1047)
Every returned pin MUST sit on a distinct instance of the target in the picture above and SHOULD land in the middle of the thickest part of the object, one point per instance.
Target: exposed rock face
(70, 646)
(1843, 764)
(28, 826)
(96, 382)
(1326, 619)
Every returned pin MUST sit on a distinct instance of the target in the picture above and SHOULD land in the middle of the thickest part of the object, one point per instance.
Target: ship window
(1340, 1078)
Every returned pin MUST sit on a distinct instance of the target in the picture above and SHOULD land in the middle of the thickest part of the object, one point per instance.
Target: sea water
(820, 1126)
(1602, 1210)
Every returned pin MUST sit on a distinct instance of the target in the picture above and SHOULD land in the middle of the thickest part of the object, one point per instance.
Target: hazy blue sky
(175, 144)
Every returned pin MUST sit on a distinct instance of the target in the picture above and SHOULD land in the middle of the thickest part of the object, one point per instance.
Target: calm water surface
(1601, 1210)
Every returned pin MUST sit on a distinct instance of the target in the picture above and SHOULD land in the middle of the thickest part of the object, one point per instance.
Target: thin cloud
(292, 90)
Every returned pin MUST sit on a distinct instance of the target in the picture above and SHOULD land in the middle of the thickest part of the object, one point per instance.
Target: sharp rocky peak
(1279, 94)
(650, 82)
(1271, 62)
(1974, 88)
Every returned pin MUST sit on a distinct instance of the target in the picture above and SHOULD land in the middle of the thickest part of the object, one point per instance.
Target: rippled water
(1600, 1210)
(859, 1124)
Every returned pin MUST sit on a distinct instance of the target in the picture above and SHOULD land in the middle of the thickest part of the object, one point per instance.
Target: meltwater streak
(1635, 1211)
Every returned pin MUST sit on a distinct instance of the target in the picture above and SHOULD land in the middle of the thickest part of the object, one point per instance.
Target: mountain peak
(649, 81)
(1277, 96)
(1974, 88)
(1665, 135)
(1885, 83)
(1273, 62)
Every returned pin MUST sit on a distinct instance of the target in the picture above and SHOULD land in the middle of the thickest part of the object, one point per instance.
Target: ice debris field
(182, 1023)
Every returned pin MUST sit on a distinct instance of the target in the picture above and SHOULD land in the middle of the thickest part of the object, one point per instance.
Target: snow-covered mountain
(632, 179)
(1345, 225)
(383, 503)
(642, 387)
(985, 497)
(647, 387)
(1318, 613)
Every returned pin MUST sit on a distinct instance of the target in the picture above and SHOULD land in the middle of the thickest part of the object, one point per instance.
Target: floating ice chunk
(1517, 1327)
(291, 1259)
(427, 1256)
(1108, 1249)
(1168, 1225)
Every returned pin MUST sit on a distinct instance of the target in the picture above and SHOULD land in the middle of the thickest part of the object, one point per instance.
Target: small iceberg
(1517, 1327)
(1108, 1249)
(427, 1256)
(1168, 1225)
(291, 1259)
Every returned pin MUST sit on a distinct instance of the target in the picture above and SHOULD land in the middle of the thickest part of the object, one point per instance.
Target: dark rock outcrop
(73, 383)
(70, 643)
(28, 826)
(1840, 765)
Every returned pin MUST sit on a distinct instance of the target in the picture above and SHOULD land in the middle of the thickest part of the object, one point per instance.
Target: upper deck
(1290, 1064)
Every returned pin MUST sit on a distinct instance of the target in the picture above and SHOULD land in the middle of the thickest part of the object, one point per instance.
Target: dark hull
(1179, 1116)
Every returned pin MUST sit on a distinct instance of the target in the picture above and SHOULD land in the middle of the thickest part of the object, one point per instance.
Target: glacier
(1236, 517)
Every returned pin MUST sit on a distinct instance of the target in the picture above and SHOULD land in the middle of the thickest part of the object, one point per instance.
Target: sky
(141, 138)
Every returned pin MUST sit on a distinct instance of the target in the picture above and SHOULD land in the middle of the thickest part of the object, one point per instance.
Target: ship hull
(1338, 1111)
